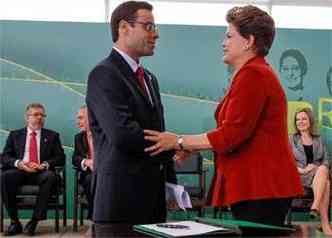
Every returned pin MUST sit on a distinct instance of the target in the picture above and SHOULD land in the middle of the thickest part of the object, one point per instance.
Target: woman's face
(302, 122)
(291, 72)
(234, 45)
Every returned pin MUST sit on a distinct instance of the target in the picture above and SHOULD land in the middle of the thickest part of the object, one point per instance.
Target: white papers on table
(176, 192)
(194, 228)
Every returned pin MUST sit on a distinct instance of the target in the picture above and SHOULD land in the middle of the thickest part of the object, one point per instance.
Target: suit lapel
(300, 145)
(315, 147)
(152, 90)
(129, 76)
(85, 143)
(43, 144)
(156, 104)
(22, 142)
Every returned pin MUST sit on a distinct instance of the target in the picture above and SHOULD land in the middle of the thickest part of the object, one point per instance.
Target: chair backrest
(190, 170)
(294, 106)
(192, 165)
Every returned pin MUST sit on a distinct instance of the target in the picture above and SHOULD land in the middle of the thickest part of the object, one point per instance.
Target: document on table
(176, 192)
(192, 229)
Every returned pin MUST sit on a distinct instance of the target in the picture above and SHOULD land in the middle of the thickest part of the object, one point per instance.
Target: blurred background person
(30, 156)
(255, 171)
(293, 67)
(83, 155)
(312, 161)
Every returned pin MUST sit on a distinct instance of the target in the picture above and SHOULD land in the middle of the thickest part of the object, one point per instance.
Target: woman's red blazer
(253, 158)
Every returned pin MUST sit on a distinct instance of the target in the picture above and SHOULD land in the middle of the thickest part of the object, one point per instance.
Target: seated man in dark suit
(30, 155)
(83, 154)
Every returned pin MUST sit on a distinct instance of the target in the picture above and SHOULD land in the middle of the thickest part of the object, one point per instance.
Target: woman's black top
(308, 150)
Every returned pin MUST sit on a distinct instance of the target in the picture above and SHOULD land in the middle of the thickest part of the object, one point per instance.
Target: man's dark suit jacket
(81, 149)
(128, 183)
(51, 150)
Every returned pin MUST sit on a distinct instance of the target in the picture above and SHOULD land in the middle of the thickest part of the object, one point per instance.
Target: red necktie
(90, 143)
(141, 80)
(33, 154)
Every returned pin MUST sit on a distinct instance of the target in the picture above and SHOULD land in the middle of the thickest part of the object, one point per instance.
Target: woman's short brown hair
(250, 20)
(312, 121)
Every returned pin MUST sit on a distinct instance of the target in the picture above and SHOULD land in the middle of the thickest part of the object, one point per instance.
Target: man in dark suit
(30, 155)
(123, 99)
(83, 155)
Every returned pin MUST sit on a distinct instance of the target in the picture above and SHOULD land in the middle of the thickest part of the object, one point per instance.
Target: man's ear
(123, 27)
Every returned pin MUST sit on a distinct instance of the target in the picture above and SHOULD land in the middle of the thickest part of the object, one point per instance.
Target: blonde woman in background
(312, 160)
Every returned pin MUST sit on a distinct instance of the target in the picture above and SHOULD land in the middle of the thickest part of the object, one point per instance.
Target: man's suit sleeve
(170, 172)
(9, 155)
(107, 100)
(78, 154)
(57, 156)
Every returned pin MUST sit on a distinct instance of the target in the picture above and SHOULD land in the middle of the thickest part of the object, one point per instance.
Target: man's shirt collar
(132, 63)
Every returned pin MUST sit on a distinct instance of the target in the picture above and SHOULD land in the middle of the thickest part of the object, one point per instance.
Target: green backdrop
(48, 62)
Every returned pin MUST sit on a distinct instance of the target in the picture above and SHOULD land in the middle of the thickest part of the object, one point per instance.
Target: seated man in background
(83, 155)
(30, 154)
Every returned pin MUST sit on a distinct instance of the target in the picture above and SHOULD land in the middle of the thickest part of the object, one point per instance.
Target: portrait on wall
(292, 68)
(329, 81)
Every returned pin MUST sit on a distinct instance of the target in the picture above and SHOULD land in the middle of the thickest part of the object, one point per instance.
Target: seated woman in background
(313, 164)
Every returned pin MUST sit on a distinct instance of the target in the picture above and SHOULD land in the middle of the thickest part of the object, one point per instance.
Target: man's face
(291, 72)
(81, 119)
(35, 118)
(140, 38)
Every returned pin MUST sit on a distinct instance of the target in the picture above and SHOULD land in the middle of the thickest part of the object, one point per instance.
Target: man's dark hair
(250, 20)
(126, 11)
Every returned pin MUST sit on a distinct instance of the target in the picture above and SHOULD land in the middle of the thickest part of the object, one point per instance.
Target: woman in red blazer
(255, 170)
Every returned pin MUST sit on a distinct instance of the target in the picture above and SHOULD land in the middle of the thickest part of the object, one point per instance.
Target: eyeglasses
(290, 68)
(37, 114)
(148, 26)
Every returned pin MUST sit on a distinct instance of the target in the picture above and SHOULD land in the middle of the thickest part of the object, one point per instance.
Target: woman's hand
(300, 170)
(180, 156)
(164, 141)
(310, 167)
(307, 169)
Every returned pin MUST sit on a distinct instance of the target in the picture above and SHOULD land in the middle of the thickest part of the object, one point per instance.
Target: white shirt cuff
(46, 164)
(83, 166)
(16, 163)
